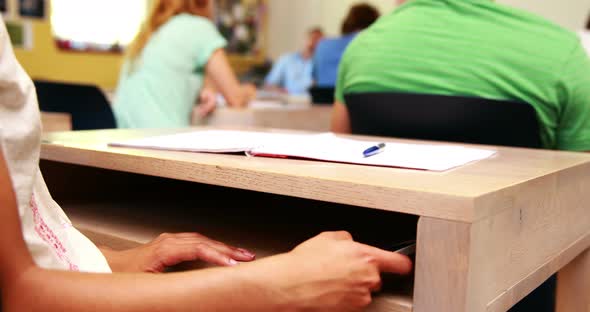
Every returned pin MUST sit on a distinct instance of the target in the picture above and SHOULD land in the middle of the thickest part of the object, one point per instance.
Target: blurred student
(479, 49)
(166, 66)
(48, 265)
(292, 73)
(329, 51)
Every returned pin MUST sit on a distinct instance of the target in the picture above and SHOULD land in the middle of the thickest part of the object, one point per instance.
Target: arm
(307, 278)
(223, 78)
(573, 128)
(340, 119)
(340, 114)
(274, 79)
(21, 280)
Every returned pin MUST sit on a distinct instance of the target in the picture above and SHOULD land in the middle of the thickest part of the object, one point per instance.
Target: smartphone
(407, 248)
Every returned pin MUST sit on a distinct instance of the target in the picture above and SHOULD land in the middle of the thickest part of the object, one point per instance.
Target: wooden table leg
(573, 285)
(442, 268)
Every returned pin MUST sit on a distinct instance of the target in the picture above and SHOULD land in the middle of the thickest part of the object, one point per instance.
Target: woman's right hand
(331, 272)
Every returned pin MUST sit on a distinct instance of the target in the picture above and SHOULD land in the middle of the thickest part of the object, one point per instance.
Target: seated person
(164, 73)
(329, 51)
(292, 72)
(480, 49)
(48, 265)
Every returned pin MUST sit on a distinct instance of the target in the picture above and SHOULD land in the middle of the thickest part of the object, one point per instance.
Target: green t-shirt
(161, 88)
(482, 49)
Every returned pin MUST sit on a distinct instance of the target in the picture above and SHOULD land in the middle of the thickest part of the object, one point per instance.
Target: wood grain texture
(546, 226)
(573, 286)
(492, 264)
(442, 266)
(448, 195)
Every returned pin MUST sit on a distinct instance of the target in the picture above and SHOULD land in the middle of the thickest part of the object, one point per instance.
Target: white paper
(325, 147)
(329, 147)
(209, 141)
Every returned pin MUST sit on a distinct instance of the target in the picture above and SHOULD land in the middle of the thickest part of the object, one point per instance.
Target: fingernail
(246, 253)
(233, 262)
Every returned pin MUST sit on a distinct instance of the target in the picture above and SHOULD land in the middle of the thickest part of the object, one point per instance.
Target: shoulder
(288, 58)
(328, 43)
(190, 23)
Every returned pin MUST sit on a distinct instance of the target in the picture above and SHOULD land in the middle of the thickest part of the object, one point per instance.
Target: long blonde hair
(161, 12)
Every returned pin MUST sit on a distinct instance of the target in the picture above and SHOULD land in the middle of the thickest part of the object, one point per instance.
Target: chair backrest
(322, 95)
(444, 118)
(88, 106)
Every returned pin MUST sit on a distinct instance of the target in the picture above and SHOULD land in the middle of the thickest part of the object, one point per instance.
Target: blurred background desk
(294, 117)
(56, 121)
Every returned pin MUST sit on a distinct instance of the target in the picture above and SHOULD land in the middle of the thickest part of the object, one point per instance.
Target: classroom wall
(571, 14)
(45, 61)
(289, 19)
(333, 12)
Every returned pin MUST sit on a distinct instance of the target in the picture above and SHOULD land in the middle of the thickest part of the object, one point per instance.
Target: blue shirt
(160, 89)
(327, 59)
(291, 72)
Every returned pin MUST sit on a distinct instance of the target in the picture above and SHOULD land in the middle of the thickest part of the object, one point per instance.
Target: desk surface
(488, 233)
(467, 194)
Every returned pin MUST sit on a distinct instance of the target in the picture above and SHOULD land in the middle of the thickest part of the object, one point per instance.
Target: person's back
(160, 88)
(327, 58)
(481, 49)
(329, 52)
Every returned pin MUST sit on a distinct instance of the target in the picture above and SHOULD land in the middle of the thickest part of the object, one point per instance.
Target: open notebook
(324, 147)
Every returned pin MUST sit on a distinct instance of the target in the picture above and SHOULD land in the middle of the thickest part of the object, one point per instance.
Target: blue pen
(374, 150)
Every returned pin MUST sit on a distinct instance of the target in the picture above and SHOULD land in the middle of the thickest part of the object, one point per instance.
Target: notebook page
(329, 147)
(209, 141)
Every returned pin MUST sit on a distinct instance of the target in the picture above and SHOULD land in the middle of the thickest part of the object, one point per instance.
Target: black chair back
(322, 95)
(87, 105)
(444, 118)
(454, 119)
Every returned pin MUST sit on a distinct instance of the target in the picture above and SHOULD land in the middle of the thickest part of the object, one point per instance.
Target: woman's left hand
(171, 249)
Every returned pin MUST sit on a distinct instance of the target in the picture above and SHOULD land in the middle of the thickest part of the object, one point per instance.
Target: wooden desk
(56, 122)
(488, 233)
(294, 117)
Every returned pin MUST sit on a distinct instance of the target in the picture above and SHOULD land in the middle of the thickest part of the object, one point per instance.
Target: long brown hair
(161, 12)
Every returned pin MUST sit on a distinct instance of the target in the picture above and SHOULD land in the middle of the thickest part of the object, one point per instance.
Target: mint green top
(482, 49)
(161, 88)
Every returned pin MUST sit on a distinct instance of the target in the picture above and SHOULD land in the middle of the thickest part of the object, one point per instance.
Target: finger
(377, 287)
(238, 254)
(179, 253)
(341, 235)
(190, 235)
(201, 237)
(390, 262)
(213, 256)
